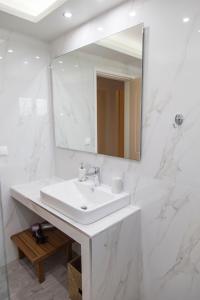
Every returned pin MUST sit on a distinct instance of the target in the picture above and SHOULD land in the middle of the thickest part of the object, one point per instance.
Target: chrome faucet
(95, 172)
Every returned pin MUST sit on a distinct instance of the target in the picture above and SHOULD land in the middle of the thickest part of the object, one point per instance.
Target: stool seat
(37, 253)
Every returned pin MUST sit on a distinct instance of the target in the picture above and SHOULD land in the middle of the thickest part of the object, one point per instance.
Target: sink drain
(84, 207)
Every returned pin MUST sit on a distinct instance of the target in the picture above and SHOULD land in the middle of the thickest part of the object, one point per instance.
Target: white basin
(83, 202)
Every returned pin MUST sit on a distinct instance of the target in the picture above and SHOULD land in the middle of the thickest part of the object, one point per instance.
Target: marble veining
(118, 275)
(165, 184)
(25, 124)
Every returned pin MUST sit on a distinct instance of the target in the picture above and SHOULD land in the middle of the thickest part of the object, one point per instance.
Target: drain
(84, 207)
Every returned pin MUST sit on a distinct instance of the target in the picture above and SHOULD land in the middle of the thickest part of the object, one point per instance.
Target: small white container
(117, 185)
(82, 173)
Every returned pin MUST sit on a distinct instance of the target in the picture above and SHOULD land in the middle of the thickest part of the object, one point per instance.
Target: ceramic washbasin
(82, 201)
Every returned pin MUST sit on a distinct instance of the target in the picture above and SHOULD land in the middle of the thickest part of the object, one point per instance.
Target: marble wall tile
(117, 249)
(165, 183)
(25, 123)
(4, 293)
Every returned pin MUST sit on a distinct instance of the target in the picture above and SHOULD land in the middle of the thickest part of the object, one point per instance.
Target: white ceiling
(54, 25)
(31, 10)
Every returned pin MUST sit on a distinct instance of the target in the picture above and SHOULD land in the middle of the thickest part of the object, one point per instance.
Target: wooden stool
(37, 253)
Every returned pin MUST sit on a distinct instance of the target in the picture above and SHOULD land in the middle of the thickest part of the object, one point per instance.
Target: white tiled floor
(3, 285)
(24, 285)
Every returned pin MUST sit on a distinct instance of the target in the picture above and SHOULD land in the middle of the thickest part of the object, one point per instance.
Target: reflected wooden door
(110, 116)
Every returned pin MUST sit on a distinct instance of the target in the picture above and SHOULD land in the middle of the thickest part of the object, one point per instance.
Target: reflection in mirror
(97, 94)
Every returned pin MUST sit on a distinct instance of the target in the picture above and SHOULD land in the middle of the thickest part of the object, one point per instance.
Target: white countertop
(30, 192)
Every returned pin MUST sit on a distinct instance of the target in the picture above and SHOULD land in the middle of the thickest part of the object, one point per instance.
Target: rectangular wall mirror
(97, 94)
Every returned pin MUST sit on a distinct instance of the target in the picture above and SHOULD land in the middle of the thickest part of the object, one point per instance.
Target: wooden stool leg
(40, 272)
(20, 254)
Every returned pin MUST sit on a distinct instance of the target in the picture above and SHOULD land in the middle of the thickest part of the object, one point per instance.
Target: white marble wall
(3, 270)
(166, 181)
(2, 249)
(25, 123)
(118, 249)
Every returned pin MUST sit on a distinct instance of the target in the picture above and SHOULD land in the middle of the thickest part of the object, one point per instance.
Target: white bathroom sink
(83, 202)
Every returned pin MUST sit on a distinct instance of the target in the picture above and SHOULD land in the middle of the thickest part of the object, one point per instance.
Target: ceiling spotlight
(100, 28)
(186, 20)
(10, 51)
(67, 14)
(132, 13)
(37, 57)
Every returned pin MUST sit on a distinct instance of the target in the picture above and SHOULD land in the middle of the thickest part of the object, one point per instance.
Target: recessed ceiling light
(31, 10)
(37, 57)
(100, 28)
(132, 13)
(186, 20)
(67, 14)
(199, 31)
(26, 62)
(60, 62)
(1, 57)
(10, 51)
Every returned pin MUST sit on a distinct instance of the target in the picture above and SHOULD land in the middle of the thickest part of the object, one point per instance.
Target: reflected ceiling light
(67, 14)
(199, 31)
(10, 51)
(26, 62)
(37, 57)
(1, 57)
(186, 20)
(132, 13)
(60, 62)
(31, 10)
(100, 28)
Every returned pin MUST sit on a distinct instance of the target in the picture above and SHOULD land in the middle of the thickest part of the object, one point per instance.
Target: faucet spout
(95, 174)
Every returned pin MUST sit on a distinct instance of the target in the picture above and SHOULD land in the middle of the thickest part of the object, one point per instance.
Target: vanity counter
(29, 193)
(110, 247)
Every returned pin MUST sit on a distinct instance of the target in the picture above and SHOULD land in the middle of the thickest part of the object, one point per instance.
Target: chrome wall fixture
(178, 120)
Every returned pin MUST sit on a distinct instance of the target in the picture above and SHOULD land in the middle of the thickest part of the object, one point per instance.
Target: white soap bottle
(82, 173)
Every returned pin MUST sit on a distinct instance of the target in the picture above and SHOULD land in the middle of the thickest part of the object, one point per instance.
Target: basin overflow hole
(84, 207)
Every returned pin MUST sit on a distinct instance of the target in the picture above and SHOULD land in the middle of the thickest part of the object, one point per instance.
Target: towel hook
(178, 120)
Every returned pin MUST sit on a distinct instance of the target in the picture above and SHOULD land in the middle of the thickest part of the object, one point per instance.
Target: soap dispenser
(82, 173)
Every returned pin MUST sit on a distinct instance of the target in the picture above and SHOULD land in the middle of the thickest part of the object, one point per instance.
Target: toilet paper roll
(117, 185)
